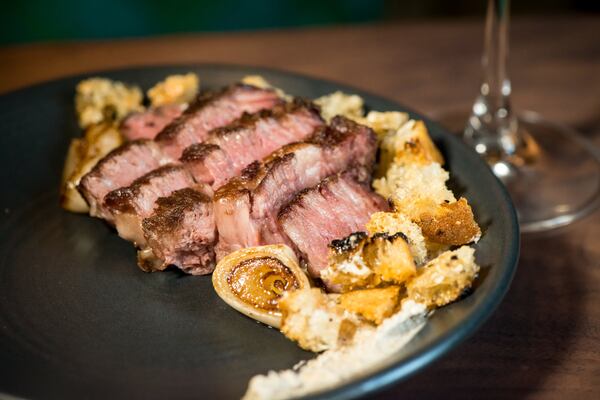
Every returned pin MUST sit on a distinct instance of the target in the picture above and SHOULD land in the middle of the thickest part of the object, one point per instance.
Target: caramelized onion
(253, 280)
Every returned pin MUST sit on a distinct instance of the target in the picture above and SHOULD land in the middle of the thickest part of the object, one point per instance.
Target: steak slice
(182, 232)
(229, 149)
(118, 169)
(130, 205)
(147, 124)
(338, 206)
(212, 110)
(246, 207)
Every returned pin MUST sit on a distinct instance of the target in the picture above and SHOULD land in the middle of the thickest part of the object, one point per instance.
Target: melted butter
(261, 282)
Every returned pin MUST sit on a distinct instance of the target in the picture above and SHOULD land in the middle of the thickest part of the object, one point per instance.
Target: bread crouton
(174, 89)
(339, 103)
(100, 99)
(444, 279)
(260, 82)
(450, 224)
(359, 262)
(389, 257)
(413, 187)
(316, 321)
(416, 146)
(347, 269)
(384, 123)
(393, 222)
(410, 144)
(374, 305)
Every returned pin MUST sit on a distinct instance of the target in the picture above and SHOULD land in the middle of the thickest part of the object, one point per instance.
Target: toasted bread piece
(260, 82)
(347, 269)
(409, 144)
(316, 321)
(359, 262)
(390, 258)
(339, 103)
(444, 278)
(174, 89)
(384, 123)
(83, 154)
(450, 223)
(394, 222)
(100, 99)
(374, 305)
(415, 188)
(416, 146)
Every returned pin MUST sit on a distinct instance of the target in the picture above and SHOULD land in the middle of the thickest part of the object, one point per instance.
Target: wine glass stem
(492, 127)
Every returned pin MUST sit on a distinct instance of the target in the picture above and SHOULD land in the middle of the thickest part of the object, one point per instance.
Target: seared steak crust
(229, 149)
(134, 159)
(198, 152)
(170, 210)
(338, 206)
(129, 205)
(182, 231)
(124, 199)
(212, 110)
(119, 168)
(246, 207)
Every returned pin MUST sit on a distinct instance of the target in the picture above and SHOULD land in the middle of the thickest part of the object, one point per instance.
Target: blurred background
(42, 20)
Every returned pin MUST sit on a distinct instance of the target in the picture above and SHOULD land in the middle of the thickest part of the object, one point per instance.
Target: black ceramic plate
(78, 319)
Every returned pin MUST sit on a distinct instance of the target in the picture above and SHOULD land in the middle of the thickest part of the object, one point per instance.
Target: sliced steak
(246, 207)
(210, 111)
(118, 169)
(229, 149)
(132, 160)
(130, 205)
(147, 124)
(338, 206)
(182, 232)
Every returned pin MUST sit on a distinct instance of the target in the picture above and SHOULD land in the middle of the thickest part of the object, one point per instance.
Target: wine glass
(550, 171)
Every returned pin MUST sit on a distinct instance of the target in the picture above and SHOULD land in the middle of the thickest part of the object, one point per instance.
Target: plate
(78, 319)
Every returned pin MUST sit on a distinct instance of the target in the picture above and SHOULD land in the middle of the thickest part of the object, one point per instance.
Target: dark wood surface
(544, 340)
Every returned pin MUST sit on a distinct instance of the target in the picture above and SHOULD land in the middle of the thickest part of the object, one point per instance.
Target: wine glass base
(554, 177)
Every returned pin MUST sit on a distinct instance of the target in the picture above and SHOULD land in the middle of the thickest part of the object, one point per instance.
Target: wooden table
(544, 340)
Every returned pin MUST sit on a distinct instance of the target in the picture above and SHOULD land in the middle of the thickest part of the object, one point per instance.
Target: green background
(24, 21)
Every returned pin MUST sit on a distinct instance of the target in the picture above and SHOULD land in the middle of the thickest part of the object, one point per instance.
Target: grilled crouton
(174, 89)
(359, 262)
(339, 103)
(409, 144)
(384, 123)
(83, 154)
(444, 279)
(100, 99)
(450, 224)
(260, 82)
(392, 223)
(347, 269)
(390, 258)
(374, 305)
(414, 187)
(316, 321)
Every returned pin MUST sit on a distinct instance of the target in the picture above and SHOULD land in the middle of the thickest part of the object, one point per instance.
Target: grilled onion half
(254, 279)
